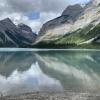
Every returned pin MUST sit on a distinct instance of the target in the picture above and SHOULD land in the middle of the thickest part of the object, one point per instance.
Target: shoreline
(53, 96)
(44, 49)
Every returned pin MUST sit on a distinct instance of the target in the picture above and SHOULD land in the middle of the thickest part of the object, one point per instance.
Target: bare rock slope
(73, 19)
(15, 36)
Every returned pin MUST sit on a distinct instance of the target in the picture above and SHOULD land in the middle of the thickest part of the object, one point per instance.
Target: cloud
(41, 5)
(17, 10)
(23, 6)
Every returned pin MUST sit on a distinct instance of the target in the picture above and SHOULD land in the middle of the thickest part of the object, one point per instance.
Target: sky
(34, 12)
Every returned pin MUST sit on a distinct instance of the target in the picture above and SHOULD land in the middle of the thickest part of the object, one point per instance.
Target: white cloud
(41, 5)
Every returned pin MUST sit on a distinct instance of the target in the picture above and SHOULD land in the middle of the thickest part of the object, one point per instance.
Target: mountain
(57, 26)
(12, 35)
(27, 32)
(78, 26)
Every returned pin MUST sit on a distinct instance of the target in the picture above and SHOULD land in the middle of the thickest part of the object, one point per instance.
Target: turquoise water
(49, 70)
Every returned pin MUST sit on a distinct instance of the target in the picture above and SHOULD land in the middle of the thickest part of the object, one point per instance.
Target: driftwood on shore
(53, 96)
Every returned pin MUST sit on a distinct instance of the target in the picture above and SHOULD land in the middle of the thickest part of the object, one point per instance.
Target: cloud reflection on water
(49, 71)
(31, 80)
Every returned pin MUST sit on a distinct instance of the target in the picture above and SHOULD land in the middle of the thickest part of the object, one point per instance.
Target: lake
(23, 71)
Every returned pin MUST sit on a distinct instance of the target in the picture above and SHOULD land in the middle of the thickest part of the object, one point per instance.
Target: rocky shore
(53, 96)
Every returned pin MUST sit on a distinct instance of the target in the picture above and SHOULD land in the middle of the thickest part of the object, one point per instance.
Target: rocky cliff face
(95, 2)
(73, 18)
(27, 32)
(15, 36)
(73, 11)
(60, 26)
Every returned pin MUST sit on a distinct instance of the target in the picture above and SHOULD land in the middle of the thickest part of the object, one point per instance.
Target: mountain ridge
(75, 32)
(13, 36)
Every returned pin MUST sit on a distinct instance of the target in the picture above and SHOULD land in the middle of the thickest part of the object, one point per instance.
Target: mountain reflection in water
(49, 71)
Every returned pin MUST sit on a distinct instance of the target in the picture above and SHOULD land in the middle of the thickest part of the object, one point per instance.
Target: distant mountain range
(77, 27)
(15, 36)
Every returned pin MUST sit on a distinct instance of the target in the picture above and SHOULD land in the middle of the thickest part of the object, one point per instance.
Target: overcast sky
(34, 12)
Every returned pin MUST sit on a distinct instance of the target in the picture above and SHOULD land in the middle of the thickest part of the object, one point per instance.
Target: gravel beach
(53, 96)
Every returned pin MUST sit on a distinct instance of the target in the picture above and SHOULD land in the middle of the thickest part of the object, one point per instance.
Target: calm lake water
(30, 71)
